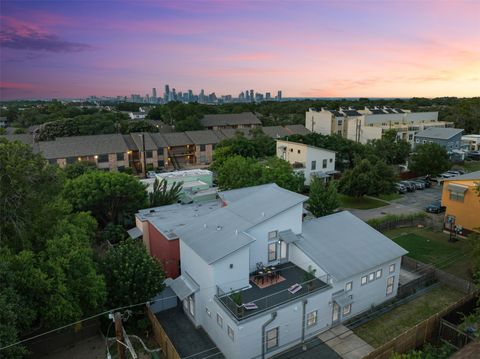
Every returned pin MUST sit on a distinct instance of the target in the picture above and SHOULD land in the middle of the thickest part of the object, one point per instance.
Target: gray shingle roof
(343, 245)
(203, 137)
(234, 119)
(439, 133)
(467, 176)
(177, 139)
(149, 142)
(159, 140)
(232, 132)
(275, 131)
(24, 138)
(297, 129)
(63, 147)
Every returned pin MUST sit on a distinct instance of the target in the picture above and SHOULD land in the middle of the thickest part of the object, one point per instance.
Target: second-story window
(219, 320)
(202, 147)
(391, 269)
(149, 154)
(272, 235)
(272, 338)
(120, 156)
(457, 196)
(348, 286)
(324, 164)
(102, 158)
(314, 165)
(312, 318)
(272, 251)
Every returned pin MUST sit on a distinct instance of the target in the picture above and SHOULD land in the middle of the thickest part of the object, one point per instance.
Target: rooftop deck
(272, 295)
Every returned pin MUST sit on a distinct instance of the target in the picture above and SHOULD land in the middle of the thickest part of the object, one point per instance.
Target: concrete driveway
(345, 342)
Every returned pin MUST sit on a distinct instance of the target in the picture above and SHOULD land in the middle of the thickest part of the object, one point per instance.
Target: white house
(137, 115)
(258, 280)
(308, 160)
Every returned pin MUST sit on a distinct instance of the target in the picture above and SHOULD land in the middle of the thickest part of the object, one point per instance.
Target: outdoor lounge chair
(295, 288)
(250, 306)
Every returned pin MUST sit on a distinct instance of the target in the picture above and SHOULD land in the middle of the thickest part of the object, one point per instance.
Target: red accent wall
(167, 252)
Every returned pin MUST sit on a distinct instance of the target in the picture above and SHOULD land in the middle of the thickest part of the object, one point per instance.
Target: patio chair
(250, 306)
(260, 266)
(295, 288)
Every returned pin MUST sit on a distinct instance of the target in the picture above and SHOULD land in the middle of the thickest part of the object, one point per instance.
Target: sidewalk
(343, 341)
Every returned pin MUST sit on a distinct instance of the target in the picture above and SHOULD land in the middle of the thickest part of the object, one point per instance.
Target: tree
(131, 274)
(324, 199)
(190, 123)
(111, 197)
(276, 170)
(162, 195)
(238, 172)
(74, 170)
(429, 158)
(391, 149)
(366, 178)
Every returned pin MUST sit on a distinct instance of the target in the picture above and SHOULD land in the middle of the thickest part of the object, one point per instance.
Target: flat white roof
(304, 145)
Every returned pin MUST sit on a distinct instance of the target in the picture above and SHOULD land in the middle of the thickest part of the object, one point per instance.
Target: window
(339, 132)
(298, 151)
(230, 332)
(347, 309)
(272, 338)
(202, 147)
(219, 320)
(160, 151)
(52, 161)
(457, 196)
(148, 154)
(102, 158)
(324, 164)
(390, 282)
(410, 137)
(348, 286)
(378, 274)
(120, 156)
(312, 318)
(339, 122)
(314, 165)
(364, 280)
(161, 163)
(331, 160)
(391, 269)
(272, 235)
(291, 149)
(371, 277)
(71, 160)
(209, 313)
(272, 251)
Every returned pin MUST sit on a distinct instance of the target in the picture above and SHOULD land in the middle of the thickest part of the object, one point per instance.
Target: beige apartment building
(371, 123)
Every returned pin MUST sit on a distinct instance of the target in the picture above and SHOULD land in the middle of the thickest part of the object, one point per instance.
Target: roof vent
(263, 214)
(236, 232)
(205, 225)
(219, 228)
(195, 214)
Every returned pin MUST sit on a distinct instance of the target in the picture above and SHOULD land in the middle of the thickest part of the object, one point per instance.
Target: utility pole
(119, 334)
(144, 156)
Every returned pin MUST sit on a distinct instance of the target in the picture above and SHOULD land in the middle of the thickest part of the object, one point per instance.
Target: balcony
(272, 292)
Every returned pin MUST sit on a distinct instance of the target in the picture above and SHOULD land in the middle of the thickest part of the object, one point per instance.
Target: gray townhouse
(259, 280)
(449, 138)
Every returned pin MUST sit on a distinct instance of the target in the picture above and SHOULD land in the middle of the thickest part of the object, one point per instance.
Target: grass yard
(390, 196)
(402, 318)
(360, 203)
(434, 248)
(471, 166)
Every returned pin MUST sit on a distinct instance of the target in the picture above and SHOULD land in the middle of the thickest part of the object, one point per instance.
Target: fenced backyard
(161, 337)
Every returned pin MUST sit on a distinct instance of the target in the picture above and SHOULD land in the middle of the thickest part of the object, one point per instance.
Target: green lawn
(402, 318)
(434, 248)
(471, 166)
(390, 197)
(360, 203)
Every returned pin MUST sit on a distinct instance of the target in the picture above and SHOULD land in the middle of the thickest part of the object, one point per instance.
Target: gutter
(303, 320)
(274, 315)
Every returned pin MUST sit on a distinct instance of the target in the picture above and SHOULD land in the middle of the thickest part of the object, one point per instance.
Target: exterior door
(283, 251)
(336, 313)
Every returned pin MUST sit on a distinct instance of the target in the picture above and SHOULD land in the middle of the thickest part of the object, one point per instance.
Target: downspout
(274, 315)
(304, 308)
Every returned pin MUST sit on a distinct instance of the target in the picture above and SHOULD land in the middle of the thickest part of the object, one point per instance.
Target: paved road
(410, 202)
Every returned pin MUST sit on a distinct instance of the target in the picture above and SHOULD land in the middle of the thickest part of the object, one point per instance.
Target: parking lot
(421, 198)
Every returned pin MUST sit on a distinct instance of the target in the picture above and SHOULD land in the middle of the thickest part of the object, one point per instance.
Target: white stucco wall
(319, 122)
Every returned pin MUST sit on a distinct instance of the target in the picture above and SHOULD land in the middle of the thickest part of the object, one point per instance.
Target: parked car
(474, 155)
(455, 173)
(419, 184)
(400, 188)
(151, 174)
(426, 182)
(410, 186)
(447, 175)
(435, 207)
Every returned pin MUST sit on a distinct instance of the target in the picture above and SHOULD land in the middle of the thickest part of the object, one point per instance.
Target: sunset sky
(330, 48)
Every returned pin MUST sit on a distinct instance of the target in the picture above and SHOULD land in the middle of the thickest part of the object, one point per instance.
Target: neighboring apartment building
(371, 123)
(233, 120)
(448, 138)
(471, 142)
(162, 150)
(308, 160)
(258, 280)
(462, 202)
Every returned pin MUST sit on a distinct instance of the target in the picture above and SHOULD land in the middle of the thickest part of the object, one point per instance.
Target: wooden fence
(415, 337)
(161, 337)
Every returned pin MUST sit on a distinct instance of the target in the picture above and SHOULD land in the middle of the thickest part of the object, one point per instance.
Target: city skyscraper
(166, 94)
(154, 93)
(279, 95)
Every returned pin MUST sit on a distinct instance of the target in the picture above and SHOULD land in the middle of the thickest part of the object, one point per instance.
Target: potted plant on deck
(236, 297)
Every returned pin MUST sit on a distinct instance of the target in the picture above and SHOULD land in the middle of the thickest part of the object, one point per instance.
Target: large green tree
(368, 177)
(391, 149)
(131, 274)
(429, 159)
(111, 197)
(162, 194)
(323, 198)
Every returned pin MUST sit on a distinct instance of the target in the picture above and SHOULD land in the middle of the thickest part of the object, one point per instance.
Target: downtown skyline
(54, 49)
